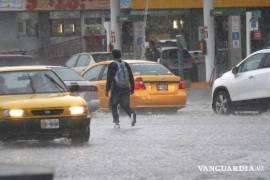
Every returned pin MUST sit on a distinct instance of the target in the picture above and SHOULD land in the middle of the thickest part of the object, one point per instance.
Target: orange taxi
(155, 86)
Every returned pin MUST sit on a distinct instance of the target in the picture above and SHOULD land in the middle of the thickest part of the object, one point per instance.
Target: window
(83, 60)
(65, 27)
(102, 57)
(67, 74)
(251, 63)
(104, 73)
(170, 54)
(91, 21)
(31, 82)
(27, 24)
(149, 69)
(266, 62)
(93, 73)
(72, 61)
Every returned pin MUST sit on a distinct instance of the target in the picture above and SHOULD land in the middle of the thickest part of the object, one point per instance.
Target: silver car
(87, 89)
(80, 61)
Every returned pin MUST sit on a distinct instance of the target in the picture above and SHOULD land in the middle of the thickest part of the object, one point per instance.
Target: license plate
(49, 123)
(162, 86)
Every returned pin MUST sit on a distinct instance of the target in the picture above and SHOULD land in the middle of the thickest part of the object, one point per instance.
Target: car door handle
(250, 77)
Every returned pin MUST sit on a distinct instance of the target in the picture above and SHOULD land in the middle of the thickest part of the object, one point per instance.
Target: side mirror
(74, 88)
(235, 70)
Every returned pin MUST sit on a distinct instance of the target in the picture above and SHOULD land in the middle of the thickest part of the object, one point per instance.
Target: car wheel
(82, 137)
(222, 103)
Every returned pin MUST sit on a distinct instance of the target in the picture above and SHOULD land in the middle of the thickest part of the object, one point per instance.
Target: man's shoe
(133, 117)
(116, 126)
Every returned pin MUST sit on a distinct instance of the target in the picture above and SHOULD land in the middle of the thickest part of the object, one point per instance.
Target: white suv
(245, 87)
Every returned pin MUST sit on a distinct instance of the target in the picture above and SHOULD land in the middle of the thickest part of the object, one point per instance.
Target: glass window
(91, 21)
(165, 54)
(266, 61)
(149, 69)
(102, 57)
(72, 27)
(65, 27)
(104, 73)
(173, 54)
(67, 74)
(57, 27)
(93, 73)
(251, 63)
(83, 60)
(30, 82)
(72, 61)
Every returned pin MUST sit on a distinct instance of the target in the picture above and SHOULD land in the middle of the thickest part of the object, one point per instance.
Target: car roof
(129, 61)
(263, 51)
(93, 53)
(23, 68)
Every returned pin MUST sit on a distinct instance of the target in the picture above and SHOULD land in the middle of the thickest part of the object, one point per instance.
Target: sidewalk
(199, 85)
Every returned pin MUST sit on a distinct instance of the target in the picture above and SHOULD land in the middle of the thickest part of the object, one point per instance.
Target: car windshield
(17, 61)
(28, 82)
(67, 74)
(149, 69)
(102, 57)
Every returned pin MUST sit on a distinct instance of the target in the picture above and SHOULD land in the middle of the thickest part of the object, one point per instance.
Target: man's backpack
(121, 76)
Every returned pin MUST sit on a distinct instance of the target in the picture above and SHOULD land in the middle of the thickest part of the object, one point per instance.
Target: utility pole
(115, 26)
(248, 30)
(209, 38)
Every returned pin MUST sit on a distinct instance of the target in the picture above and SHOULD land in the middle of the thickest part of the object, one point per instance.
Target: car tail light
(139, 84)
(182, 84)
(93, 88)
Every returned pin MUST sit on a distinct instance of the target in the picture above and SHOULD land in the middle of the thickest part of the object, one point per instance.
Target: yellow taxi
(155, 86)
(36, 104)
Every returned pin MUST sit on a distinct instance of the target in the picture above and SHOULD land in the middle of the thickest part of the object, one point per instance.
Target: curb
(25, 172)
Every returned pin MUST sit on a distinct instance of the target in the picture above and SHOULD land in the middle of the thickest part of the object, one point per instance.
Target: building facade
(53, 30)
(165, 19)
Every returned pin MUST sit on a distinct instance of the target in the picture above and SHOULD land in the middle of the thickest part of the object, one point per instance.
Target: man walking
(120, 82)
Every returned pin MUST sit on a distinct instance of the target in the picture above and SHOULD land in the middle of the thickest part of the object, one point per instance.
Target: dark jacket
(111, 85)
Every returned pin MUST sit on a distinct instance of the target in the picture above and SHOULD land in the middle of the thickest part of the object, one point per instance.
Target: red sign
(256, 35)
(47, 5)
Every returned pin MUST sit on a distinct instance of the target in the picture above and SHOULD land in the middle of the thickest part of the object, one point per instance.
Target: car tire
(222, 103)
(82, 137)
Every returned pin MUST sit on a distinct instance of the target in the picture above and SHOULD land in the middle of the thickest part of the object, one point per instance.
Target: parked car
(87, 89)
(35, 104)
(155, 86)
(16, 60)
(82, 60)
(170, 56)
(245, 87)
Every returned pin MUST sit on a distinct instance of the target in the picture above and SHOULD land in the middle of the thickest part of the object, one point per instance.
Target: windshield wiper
(31, 83)
(54, 82)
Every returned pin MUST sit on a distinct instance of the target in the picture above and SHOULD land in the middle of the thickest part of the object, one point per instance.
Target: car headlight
(14, 113)
(76, 110)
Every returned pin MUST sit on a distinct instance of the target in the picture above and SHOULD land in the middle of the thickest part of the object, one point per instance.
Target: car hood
(48, 100)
